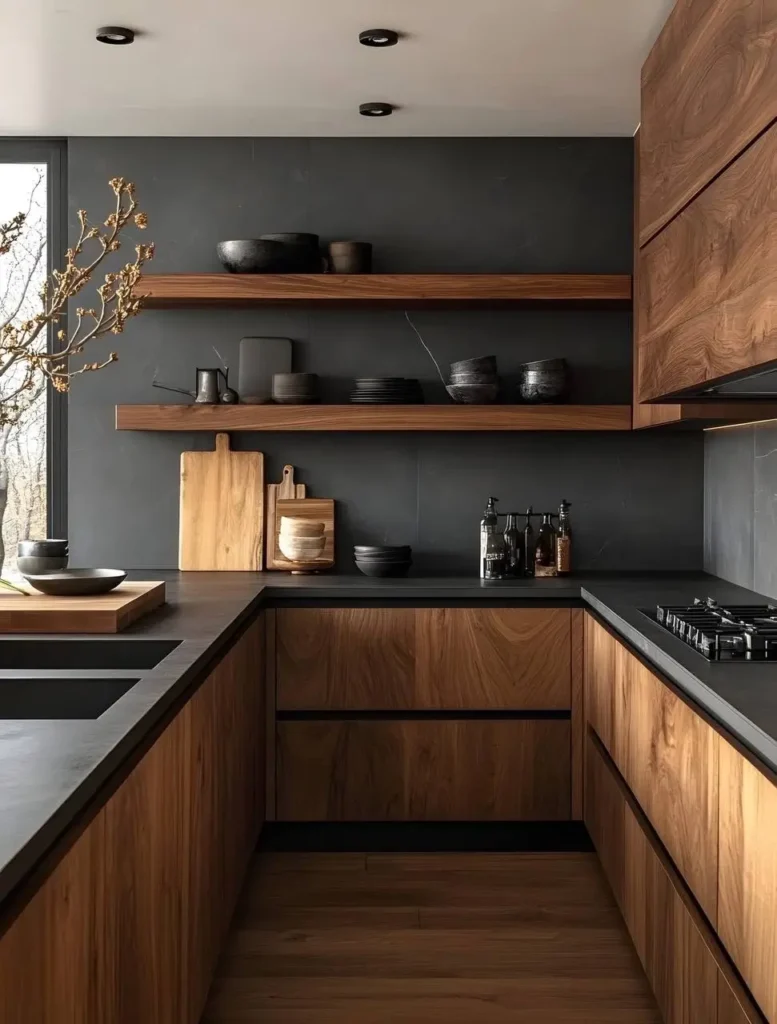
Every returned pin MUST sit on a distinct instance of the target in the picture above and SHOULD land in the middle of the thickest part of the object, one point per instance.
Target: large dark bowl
(483, 364)
(300, 251)
(251, 255)
(385, 571)
(545, 380)
(377, 550)
(473, 394)
(76, 582)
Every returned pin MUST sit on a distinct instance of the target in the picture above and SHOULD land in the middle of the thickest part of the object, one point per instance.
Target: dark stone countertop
(51, 770)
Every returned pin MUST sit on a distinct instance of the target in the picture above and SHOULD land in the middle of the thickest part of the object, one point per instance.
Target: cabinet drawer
(414, 659)
(679, 952)
(423, 770)
(667, 754)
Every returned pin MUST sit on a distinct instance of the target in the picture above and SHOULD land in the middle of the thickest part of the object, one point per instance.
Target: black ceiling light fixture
(379, 37)
(115, 35)
(376, 109)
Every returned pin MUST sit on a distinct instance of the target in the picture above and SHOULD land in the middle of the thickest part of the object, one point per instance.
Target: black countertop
(51, 770)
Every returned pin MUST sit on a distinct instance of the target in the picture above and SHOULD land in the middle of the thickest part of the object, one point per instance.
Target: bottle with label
(545, 550)
(564, 540)
(513, 538)
(528, 543)
(488, 524)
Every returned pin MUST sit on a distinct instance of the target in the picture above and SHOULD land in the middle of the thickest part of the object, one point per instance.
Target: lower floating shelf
(373, 417)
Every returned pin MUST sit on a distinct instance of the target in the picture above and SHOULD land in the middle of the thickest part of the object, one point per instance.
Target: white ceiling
(295, 67)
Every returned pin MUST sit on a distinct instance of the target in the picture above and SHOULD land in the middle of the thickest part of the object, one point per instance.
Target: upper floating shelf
(171, 290)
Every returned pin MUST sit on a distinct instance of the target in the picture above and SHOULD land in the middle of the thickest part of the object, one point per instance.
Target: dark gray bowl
(42, 548)
(251, 255)
(545, 380)
(35, 564)
(299, 253)
(386, 571)
(473, 394)
(76, 582)
(483, 364)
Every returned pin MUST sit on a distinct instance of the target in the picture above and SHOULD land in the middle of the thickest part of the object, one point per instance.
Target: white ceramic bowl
(301, 549)
(301, 527)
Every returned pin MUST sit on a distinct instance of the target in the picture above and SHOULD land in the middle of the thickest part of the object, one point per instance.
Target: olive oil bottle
(564, 540)
(545, 551)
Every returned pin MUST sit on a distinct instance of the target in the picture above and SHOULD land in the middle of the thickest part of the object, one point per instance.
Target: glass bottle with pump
(564, 540)
(528, 543)
(513, 539)
(545, 551)
(489, 525)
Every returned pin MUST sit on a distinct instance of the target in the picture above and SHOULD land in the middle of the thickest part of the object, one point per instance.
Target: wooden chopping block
(222, 509)
(285, 489)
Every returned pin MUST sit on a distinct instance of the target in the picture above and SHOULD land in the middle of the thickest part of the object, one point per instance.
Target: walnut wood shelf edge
(171, 290)
(701, 415)
(373, 418)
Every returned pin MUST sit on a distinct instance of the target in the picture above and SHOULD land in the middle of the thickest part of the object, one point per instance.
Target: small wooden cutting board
(103, 613)
(222, 509)
(285, 489)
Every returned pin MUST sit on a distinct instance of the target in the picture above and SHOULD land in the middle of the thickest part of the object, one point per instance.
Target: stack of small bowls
(39, 556)
(474, 381)
(295, 388)
(301, 540)
(544, 380)
(383, 560)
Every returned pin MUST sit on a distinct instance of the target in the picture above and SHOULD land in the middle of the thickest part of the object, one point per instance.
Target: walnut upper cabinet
(709, 86)
(393, 659)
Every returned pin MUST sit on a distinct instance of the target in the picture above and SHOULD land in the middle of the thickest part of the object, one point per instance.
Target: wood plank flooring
(376, 938)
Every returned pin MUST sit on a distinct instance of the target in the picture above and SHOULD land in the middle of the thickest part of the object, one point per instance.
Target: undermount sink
(84, 654)
(59, 698)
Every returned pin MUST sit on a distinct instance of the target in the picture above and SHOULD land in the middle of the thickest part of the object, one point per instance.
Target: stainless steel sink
(59, 698)
(52, 655)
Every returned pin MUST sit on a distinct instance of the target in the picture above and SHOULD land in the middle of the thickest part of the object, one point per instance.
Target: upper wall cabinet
(709, 86)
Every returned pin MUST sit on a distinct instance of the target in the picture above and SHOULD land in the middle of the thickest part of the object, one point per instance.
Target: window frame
(52, 153)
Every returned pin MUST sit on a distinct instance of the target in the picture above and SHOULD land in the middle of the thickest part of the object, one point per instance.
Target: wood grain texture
(577, 723)
(364, 770)
(287, 488)
(706, 283)
(709, 86)
(222, 510)
(683, 960)
(339, 418)
(702, 414)
(748, 875)
(104, 613)
(599, 680)
(393, 659)
(160, 290)
(320, 510)
(270, 691)
(422, 938)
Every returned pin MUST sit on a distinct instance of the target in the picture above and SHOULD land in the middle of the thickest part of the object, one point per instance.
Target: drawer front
(679, 952)
(414, 659)
(367, 770)
(747, 912)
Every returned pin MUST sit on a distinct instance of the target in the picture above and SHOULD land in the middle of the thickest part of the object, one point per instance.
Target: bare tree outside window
(23, 498)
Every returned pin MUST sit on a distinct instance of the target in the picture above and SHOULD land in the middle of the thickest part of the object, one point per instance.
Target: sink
(59, 698)
(84, 654)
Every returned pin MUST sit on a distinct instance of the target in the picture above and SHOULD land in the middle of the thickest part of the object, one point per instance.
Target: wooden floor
(412, 938)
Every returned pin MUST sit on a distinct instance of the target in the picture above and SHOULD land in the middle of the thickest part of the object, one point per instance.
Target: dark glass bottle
(528, 543)
(488, 524)
(545, 551)
(513, 538)
(564, 540)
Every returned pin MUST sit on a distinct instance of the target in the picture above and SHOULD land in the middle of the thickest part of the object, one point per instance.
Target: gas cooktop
(722, 633)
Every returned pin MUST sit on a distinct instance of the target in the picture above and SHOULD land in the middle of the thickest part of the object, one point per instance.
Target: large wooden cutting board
(287, 488)
(222, 509)
(104, 613)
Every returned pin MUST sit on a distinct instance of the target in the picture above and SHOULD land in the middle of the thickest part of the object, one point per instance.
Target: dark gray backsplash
(484, 205)
(740, 505)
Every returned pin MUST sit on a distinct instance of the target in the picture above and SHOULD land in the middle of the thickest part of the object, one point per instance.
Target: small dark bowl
(394, 570)
(76, 582)
(35, 564)
(299, 251)
(42, 549)
(251, 255)
(369, 560)
(545, 380)
(381, 549)
(483, 364)
(473, 378)
(473, 394)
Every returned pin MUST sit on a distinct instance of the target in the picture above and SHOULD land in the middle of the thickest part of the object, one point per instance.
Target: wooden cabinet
(414, 659)
(666, 753)
(747, 912)
(128, 925)
(679, 952)
(423, 770)
(709, 86)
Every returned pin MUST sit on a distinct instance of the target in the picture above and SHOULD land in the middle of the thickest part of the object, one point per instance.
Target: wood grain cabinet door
(709, 86)
(599, 679)
(423, 770)
(747, 911)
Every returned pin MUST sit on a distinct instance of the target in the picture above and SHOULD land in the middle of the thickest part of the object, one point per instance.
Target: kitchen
(339, 746)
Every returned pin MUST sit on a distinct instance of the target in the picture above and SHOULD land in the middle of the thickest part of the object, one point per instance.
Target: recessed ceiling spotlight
(115, 35)
(379, 37)
(376, 109)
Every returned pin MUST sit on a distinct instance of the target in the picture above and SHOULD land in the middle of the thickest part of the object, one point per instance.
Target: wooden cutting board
(285, 489)
(104, 613)
(222, 509)
(321, 510)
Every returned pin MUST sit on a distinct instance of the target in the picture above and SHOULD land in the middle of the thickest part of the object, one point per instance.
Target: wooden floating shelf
(373, 417)
(170, 290)
(703, 414)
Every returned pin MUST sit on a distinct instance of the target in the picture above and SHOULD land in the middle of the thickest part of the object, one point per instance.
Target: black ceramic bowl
(544, 380)
(42, 548)
(383, 571)
(483, 364)
(300, 251)
(251, 255)
(382, 550)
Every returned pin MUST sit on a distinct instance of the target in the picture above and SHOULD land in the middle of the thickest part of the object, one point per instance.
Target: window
(31, 448)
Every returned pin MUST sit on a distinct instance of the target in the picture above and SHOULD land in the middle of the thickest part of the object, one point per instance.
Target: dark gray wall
(428, 205)
(740, 505)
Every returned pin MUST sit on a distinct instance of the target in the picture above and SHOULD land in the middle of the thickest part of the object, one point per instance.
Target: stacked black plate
(387, 391)
(383, 560)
